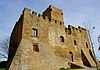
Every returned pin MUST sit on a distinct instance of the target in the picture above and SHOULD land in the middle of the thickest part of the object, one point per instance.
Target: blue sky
(76, 12)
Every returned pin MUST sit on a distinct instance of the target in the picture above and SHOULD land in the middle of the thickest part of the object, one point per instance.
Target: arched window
(61, 39)
(71, 56)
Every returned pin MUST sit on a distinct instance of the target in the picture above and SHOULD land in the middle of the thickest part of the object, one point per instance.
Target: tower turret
(54, 14)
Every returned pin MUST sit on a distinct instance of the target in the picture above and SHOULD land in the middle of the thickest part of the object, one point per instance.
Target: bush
(2, 68)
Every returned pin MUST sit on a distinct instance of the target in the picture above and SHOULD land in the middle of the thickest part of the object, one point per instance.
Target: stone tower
(54, 14)
(42, 42)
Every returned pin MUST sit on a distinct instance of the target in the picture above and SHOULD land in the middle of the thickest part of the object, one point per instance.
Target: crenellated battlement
(33, 13)
(52, 7)
(45, 17)
(83, 29)
(54, 14)
(71, 29)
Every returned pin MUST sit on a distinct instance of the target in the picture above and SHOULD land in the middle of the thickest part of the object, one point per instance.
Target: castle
(42, 42)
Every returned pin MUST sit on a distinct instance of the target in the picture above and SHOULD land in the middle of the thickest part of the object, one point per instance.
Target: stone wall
(15, 40)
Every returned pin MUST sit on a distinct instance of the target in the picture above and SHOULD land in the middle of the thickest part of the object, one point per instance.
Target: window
(60, 23)
(34, 32)
(86, 45)
(55, 21)
(61, 39)
(35, 47)
(80, 30)
(61, 13)
(73, 27)
(49, 19)
(50, 9)
(75, 42)
(71, 56)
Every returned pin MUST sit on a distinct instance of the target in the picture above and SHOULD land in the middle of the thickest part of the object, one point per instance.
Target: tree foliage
(90, 29)
(4, 45)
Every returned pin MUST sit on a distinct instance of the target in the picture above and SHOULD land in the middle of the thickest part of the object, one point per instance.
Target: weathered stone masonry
(42, 42)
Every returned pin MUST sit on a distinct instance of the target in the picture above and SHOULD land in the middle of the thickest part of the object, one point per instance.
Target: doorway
(71, 56)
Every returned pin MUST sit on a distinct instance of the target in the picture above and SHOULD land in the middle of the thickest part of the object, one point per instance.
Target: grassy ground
(2, 68)
(78, 69)
(68, 69)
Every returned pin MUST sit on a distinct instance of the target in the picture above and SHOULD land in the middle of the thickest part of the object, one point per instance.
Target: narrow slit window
(86, 45)
(60, 23)
(55, 21)
(34, 32)
(61, 39)
(75, 42)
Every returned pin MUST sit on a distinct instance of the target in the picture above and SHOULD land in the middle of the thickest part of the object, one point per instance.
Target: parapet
(71, 29)
(33, 13)
(82, 29)
(54, 14)
(53, 7)
(40, 15)
(26, 11)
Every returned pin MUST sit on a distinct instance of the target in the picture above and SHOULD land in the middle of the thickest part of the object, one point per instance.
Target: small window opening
(55, 21)
(61, 39)
(80, 30)
(86, 45)
(61, 13)
(35, 47)
(34, 32)
(75, 42)
(50, 9)
(60, 23)
(49, 19)
(73, 27)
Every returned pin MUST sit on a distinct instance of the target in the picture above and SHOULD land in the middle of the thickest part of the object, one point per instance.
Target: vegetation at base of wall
(2, 69)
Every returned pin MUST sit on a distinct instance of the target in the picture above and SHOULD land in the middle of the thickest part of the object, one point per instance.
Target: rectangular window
(35, 47)
(34, 32)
